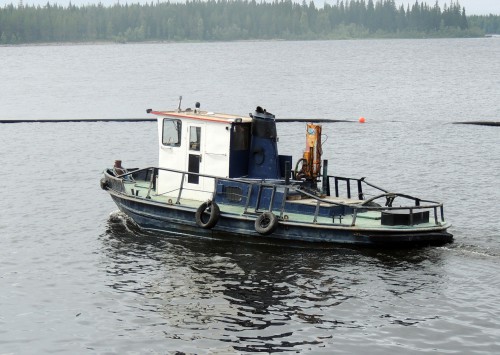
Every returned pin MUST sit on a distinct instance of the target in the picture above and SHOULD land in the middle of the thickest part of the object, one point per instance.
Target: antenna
(179, 108)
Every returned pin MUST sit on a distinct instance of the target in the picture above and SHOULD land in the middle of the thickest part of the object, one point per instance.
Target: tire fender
(211, 209)
(104, 184)
(266, 223)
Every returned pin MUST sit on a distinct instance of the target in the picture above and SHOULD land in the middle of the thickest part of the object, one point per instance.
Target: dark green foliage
(216, 20)
(489, 24)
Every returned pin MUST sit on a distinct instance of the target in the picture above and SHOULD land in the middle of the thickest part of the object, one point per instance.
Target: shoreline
(112, 42)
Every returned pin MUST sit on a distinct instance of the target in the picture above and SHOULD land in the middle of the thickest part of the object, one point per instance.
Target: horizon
(472, 7)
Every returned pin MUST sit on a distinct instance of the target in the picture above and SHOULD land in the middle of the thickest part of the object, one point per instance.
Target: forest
(226, 20)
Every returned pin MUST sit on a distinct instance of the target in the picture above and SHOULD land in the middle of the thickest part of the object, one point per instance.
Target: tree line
(221, 20)
(489, 24)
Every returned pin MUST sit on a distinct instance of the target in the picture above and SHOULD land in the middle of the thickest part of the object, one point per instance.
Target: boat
(220, 175)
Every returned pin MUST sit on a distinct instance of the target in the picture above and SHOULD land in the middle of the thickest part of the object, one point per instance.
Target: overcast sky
(472, 7)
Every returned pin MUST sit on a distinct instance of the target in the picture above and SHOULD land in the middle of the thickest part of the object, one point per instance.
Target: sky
(472, 7)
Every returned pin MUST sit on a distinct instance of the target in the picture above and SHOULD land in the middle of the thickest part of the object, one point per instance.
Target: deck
(364, 220)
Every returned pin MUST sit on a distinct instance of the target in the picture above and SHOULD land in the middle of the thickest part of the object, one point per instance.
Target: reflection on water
(264, 297)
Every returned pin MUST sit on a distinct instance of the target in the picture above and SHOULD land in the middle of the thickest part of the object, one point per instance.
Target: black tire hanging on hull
(104, 184)
(210, 208)
(266, 223)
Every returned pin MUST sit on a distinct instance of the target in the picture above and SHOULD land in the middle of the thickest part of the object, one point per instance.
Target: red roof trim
(183, 115)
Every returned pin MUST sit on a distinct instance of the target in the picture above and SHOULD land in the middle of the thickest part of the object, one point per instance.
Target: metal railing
(357, 208)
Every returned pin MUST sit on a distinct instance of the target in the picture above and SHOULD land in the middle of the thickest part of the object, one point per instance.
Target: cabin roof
(203, 116)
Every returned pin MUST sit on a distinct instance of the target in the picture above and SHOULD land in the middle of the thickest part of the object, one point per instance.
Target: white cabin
(200, 142)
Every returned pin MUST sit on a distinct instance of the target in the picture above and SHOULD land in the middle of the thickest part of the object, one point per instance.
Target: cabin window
(172, 132)
(241, 137)
(194, 138)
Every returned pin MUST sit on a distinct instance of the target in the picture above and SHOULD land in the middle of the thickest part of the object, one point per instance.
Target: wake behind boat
(221, 175)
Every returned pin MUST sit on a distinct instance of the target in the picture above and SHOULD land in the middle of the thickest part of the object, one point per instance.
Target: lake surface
(77, 277)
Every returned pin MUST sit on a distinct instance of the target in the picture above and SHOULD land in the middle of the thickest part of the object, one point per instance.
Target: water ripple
(270, 298)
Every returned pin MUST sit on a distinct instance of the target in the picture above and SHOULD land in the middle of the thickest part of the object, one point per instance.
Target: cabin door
(196, 134)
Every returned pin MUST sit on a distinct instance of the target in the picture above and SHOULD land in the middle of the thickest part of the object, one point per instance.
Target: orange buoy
(362, 120)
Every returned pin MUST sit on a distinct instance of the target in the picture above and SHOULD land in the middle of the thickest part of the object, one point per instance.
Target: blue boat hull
(178, 219)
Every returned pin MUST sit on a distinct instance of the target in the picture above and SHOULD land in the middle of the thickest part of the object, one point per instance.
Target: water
(77, 277)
